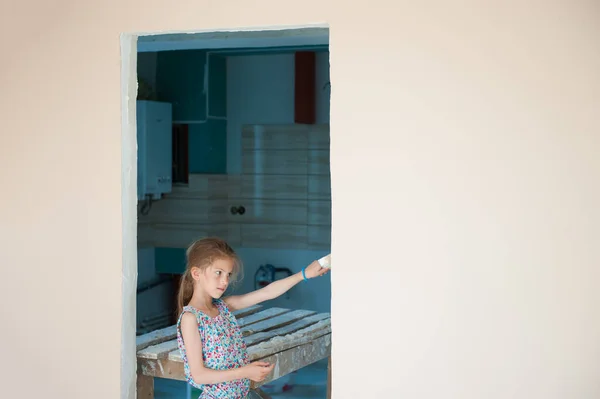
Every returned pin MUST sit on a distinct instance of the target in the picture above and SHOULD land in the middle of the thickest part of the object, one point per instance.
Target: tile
(319, 237)
(274, 236)
(277, 162)
(273, 186)
(319, 187)
(318, 162)
(274, 137)
(319, 212)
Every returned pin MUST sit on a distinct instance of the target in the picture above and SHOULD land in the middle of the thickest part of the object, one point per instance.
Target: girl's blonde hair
(202, 254)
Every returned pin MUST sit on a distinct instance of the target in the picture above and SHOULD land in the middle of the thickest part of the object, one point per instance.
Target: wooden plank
(285, 330)
(307, 350)
(144, 386)
(163, 349)
(159, 351)
(277, 343)
(168, 333)
(275, 322)
(162, 368)
(297, 357)
(155, 337)
(246, 311)
(282, 343)
(260, 316)
(290, 353)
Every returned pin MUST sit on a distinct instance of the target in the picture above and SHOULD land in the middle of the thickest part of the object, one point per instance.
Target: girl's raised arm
(275, 289)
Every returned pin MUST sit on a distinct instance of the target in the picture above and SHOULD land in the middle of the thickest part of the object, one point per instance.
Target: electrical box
(154, 141)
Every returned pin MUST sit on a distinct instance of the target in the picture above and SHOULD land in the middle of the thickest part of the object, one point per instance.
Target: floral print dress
(223, 348)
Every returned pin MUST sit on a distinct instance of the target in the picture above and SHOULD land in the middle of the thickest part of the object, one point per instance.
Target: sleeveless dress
(223, 348)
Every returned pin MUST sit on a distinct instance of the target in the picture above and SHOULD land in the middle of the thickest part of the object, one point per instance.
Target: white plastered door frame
(258, 37)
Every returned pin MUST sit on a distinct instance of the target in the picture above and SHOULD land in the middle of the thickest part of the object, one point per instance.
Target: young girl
(208, 336)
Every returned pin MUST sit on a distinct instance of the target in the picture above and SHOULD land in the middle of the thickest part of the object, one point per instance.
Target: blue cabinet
(199, 101)
(180, 81)
(154, 140)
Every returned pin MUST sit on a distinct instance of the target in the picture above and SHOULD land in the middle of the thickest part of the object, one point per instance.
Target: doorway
(223, 94)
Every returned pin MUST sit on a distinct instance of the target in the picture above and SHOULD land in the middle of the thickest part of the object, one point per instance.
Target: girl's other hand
(258, 371)
(315, 270)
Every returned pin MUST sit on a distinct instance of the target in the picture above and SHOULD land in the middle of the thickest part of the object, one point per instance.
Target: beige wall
(476, 262)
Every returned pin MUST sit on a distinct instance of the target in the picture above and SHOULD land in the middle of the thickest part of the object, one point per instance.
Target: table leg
(145, 387)
(329, 377)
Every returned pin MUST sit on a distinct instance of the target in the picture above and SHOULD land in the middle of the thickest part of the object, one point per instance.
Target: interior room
(233, 141)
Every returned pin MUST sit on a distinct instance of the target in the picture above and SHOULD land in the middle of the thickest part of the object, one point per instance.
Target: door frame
(129, 51)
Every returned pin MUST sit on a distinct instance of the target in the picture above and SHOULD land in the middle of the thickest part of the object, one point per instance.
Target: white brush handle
(325, 261)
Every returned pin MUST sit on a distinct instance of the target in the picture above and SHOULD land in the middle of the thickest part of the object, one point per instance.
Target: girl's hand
(258, 371)
(315, 270)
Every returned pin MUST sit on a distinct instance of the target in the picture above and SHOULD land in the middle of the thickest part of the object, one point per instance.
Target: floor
(309, 382)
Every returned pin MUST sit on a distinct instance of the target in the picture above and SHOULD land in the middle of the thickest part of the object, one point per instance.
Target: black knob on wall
(240, 210)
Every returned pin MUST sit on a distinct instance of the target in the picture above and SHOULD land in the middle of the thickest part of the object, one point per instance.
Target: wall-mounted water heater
(154, 141)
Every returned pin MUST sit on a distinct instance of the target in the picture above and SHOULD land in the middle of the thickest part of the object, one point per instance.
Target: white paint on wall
(128, 214)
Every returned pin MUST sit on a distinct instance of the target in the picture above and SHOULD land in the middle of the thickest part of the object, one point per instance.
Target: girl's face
(215, 278)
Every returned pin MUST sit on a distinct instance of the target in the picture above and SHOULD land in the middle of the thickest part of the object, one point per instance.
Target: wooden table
(291, 339)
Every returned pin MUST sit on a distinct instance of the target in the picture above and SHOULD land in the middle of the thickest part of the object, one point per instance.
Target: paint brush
(325, 261)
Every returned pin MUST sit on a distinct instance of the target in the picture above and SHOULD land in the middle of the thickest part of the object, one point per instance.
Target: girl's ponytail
(186, 290)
